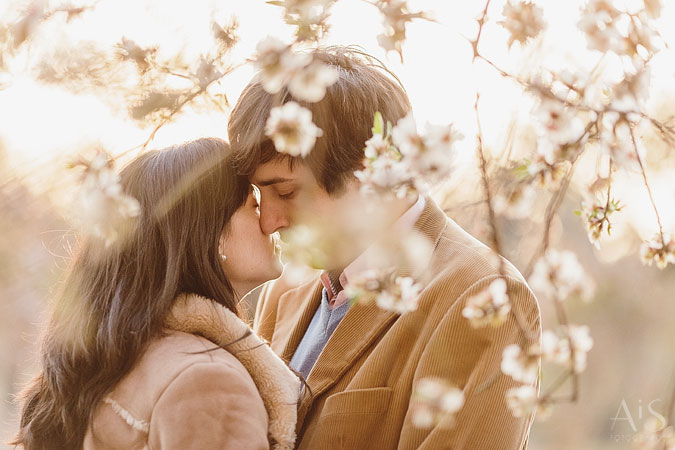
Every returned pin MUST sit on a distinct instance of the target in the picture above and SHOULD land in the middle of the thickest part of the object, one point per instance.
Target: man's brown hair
(345, 115)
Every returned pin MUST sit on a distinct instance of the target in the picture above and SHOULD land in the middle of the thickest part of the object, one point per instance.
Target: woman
(144, 349)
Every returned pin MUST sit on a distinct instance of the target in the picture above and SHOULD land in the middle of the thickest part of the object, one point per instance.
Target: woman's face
(253, 257)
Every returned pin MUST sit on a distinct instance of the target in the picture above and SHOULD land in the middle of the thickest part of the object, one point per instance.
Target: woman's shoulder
(180, 375)
(181, 384)
(168, 356)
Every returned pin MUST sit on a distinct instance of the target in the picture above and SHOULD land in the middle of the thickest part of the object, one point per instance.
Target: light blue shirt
(324, 323)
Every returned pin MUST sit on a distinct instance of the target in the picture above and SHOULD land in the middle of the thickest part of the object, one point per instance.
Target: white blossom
(390, 292)
(438, 157)
(396, 15)
(631, 93)
(405, 136)
(434, 400)
(308, 16)
(300, 246)
(598, 23)
(595, 214)
(522, 400)
(291, 128)
(490, 306)
(524, 20)
(659, 251)
(558, 125)
(520, 365)
(431, 156)
(581, 343)
(277, 63)
(404, 161)
(309, 83)
(616, 140)
(556, 348)
(403, 298)
(609, 29)
(376, 146)
(385, 174)
(558, 275)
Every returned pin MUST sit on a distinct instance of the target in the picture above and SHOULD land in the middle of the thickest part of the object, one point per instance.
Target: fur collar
(276, 383)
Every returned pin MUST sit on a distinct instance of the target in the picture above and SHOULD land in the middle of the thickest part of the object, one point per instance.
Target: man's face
(291, 197)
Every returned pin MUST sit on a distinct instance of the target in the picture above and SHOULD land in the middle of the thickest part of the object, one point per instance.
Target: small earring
(223, 257)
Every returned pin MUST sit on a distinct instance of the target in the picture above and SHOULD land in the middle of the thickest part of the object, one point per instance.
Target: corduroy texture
(191, 390)
(363, 380)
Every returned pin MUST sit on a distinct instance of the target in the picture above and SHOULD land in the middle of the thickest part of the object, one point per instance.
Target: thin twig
(649, 190)
(607, 203)
(548, 397)
(172, 113)
(481, 22)
(667, 132)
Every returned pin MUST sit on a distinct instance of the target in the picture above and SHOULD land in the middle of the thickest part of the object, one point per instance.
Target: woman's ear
(222, 245)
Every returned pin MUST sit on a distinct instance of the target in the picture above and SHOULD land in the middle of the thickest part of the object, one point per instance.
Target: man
(362, 363)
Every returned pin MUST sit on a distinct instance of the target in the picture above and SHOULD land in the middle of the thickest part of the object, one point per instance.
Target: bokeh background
(46, 121)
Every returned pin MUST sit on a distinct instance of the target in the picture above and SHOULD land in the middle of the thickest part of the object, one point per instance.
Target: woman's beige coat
(188, 392)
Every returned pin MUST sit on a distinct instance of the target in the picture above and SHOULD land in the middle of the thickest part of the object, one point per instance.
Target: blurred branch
(667, 132)
(496, 243)
(178, 107)
(561, 314)
(670, 413)
(555, 202)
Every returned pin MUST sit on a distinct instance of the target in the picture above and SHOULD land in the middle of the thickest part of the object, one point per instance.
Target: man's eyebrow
(272, 181)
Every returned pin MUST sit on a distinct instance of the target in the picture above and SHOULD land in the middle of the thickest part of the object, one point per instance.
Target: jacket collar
(279, 388)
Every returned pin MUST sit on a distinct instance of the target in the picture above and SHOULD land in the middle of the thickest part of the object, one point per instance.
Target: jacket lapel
(359, 329)
(294, 314)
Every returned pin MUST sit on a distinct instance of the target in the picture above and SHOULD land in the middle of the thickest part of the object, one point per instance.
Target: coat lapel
(359, 329)
(294, 314)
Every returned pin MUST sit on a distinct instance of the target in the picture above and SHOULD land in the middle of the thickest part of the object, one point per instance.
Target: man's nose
(273, 217)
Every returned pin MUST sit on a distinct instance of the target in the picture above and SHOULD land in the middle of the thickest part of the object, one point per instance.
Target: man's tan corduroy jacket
(362, 382)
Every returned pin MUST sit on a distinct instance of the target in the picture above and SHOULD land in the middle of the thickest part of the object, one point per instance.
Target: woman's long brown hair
(115, 298)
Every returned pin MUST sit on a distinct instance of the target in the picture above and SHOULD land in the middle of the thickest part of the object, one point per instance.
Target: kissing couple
(147, 346)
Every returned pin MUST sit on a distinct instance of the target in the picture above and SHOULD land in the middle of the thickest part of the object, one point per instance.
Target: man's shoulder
(460, 262)
(288, 283)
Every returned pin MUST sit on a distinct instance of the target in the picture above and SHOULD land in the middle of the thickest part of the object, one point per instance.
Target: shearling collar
(276, 383)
